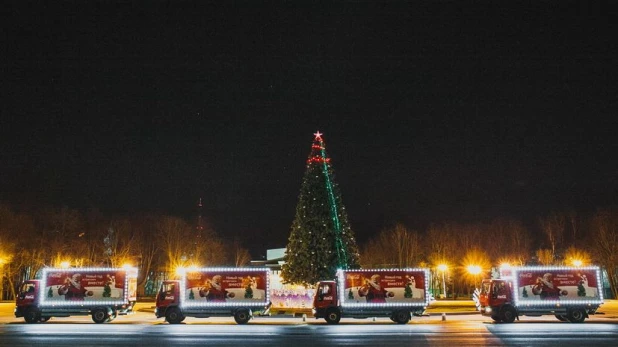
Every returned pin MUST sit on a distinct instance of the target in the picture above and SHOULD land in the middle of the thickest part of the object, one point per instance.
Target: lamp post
(443, 268)
(1, 278)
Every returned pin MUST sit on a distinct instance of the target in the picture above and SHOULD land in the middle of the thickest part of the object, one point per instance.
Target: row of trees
(557, 239)
(156, 244)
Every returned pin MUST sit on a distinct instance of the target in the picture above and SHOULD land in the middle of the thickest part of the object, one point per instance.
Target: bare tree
(241, 254)
(553, 226)
(545, 256)
(605, 230)
(395, 247)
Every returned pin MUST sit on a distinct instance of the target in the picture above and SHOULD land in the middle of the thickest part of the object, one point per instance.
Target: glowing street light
(65, 264)
(474, 270)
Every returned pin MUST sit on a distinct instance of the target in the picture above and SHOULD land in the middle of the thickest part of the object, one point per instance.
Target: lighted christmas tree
(321, 240)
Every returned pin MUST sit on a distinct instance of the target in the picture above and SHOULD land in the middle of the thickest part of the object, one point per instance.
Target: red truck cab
(168, 302)
(27, 301)
(496, 300)
(325, 303)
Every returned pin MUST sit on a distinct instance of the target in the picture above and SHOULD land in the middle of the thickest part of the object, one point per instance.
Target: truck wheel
(173, 315)
(401, 317)
(561, 317)
(242, 316)
(496, 319)
(333, 316)
(32, 315)
(508, 314)
(99, 315)
(576, 315)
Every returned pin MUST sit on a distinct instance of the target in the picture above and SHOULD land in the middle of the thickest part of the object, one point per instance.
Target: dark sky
(431, 111)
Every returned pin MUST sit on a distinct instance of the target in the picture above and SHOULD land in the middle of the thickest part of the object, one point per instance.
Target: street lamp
(474, 270)
(443, 268)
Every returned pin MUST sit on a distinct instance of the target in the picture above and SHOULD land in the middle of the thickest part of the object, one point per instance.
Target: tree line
(157, 245)
(560, 238)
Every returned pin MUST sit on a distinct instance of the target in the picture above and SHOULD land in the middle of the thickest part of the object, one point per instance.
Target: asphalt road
(457, 328)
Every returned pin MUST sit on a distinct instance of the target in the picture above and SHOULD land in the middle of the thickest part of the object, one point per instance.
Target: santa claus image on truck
(72, 285)
(557, 284)
(73, 289)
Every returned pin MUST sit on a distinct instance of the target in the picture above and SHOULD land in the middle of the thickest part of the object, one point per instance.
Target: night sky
(431, 111)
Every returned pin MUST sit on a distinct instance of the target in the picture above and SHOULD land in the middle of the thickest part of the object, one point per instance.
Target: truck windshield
(27, 288)
(486, 287)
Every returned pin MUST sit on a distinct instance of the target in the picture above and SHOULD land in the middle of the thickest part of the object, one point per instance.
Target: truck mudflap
(266, 311)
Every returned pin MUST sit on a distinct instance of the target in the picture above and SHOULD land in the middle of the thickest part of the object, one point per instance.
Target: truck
(569, 293)
(215, 292)
(364, 293)
(103, 293)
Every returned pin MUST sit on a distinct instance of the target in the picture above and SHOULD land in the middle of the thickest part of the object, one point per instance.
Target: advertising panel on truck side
(397, 287)
(220, 286)
(549, 285)
(65, 287)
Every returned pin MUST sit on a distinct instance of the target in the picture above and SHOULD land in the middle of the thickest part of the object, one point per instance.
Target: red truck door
(326, 295)
(168, 294)
(28, 294)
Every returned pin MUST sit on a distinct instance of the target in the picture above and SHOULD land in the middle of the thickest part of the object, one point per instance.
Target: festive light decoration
(342, 293)
(512, 274)
(130, 273)
(320, 231)
(189, 304)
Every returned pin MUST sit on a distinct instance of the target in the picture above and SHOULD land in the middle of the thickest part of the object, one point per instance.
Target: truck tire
(99, 315)
(508, 314)
(44, 319)
(32, 315)
(562, 318)
(401, 317)
(173, 315)
(496, 319)
(333, 316)
(576, 315)
(242, 316)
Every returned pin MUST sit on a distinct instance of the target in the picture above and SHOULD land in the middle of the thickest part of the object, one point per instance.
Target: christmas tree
(407, 291)
(581, 290)
(107, 290)
(248, 292)
(321, 240)
(524, 293)
(350, 295)
(50, 293)
(191, 295)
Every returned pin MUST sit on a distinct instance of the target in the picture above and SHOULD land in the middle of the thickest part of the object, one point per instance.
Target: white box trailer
(393, 293)
(568, 293)
(215, 292)
(103, 293)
